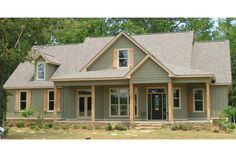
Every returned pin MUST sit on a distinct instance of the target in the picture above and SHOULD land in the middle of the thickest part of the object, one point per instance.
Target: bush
(229, 131)
(97, 127)
(84, 127)
(120, 127)
(216, 131)
(174, 127)
(108, 127)
(55, 126)
(27, 113)
(76, 127)
(6, 131)
(231, 126)
(39, 121)
(20, 124)
(32, 125)
(47, 125)
(65, 126)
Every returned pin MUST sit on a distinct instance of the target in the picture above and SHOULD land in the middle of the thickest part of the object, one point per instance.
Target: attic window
(123, 58)
(40, 71)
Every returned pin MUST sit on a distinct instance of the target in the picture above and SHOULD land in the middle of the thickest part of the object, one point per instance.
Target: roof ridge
(211, 41)
(62, 44)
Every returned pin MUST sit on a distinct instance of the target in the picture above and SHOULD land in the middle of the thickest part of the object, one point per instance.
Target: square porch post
(170, 101)
(55, 104)
(208, 102)
(132, 105)
(93, 103)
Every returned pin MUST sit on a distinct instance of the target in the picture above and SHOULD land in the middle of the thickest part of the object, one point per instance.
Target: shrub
(108, 127)
(120, 127)
(98, 127)
(20, 124)
(76, 127)
(174, 127)
(185, 127)
(32, 125)
(84, 127)
(215, 131)
(229, 131)
(231, 126)
(39, 121)
(6, 131)
(65, 126)
(47, 125)
(55, 126)
(27, 113)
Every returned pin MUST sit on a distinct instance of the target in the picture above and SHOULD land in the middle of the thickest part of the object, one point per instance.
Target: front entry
(84, 104)
(156, 104)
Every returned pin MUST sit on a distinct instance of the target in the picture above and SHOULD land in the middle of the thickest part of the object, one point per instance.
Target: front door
(84, 104)
(156, 104)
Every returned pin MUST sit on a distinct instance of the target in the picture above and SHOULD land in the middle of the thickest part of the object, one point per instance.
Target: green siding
(219, 100)
(106, 59)
(149, 72)
(182, 113)
(99, 105)
(38, 100)
(68, 103)
(142, 103)
(11, 102)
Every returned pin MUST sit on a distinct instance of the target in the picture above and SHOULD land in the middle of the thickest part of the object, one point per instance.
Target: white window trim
(118, 58)
(179, 98)
(203, 100)
(20, 99)
(118, 103)
(37, 78)
(49, 100)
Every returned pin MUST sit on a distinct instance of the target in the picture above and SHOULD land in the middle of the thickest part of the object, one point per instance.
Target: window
(50, 101)
(176, 98)
(198, 100)
(123, 58)
(23, 100)
(40, 71)
(119, 102)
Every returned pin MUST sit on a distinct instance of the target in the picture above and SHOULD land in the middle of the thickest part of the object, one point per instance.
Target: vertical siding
(149, 72)
(105, 60)
(38, 101)
(68, 103)
(219, 100)
(11, 102)
(142, 103)
(182, 113)
(99, 102)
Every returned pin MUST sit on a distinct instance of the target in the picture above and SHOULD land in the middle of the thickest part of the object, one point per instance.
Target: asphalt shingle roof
(176, 51)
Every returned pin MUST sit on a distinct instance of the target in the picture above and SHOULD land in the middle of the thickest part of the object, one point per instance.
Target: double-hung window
(123, 58)
(23, 100)
(50, 100)
(198, 100)
(40, 71)
(176, 98)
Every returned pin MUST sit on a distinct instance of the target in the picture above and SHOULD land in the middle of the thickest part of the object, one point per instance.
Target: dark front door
(157, 105)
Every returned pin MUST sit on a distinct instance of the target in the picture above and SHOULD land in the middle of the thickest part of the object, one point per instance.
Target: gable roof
(174, 52)
(48, 58)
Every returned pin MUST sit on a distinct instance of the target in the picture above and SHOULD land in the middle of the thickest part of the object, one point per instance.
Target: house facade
(153, 77)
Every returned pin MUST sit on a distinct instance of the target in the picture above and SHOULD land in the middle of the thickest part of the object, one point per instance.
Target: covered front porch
(120, 100)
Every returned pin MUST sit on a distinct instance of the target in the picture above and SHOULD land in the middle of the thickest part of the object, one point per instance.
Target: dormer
(45, 66)
(123, 58)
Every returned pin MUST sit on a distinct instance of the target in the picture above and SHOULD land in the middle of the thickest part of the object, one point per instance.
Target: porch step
(141, 126)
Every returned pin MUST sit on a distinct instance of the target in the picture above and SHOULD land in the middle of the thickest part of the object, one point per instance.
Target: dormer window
(40, 71)
(123, 58)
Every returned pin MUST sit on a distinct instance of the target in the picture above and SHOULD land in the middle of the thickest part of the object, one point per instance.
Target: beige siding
(149, 72)
(105, 61)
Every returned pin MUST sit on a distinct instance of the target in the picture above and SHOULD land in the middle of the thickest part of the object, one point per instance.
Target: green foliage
(20, 124)
(27, 113)
(6, 131)
(84, 127)
(47, 125)
(120, 127)
(40, 121)
(108, 127)
(55, 126)
(184, 127)
(32, 125)
(227, 115)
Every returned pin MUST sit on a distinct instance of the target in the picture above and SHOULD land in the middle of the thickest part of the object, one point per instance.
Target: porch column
(208, 102)
(93, 103)
(132, 105)
(55, 104)
(170, 101)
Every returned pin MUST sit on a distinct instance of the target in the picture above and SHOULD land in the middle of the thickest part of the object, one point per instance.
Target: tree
(16, 38)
